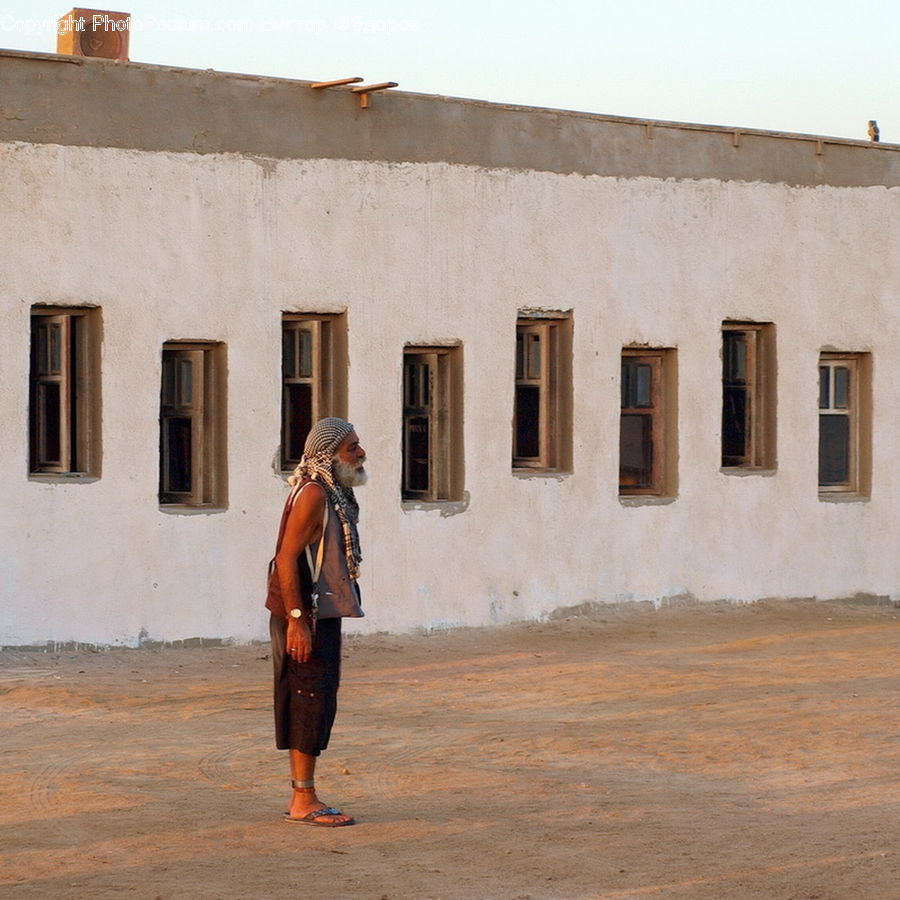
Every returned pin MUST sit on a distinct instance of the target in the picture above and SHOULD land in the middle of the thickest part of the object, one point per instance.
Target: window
(542, 417)
(647, 423)
(64, 407)
(844, 444)
(192, 458)
(314, 378)
(748, 395)
(432, 423)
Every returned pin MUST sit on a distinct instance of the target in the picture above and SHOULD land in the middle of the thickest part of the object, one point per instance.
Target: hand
(299, 640)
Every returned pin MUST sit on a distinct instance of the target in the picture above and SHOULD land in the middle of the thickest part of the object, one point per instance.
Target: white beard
(349, 476)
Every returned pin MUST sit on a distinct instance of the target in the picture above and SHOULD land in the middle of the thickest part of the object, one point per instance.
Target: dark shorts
(306, 693)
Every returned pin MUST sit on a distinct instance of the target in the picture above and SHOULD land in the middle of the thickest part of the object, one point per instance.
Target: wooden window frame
(857, 412)
(660, 413)
(551, 380)
(757, 385)
(326, 377)
(202, 404)
(75, 378)
(435, 398)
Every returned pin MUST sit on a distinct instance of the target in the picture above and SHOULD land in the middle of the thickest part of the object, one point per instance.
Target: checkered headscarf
(317, 463)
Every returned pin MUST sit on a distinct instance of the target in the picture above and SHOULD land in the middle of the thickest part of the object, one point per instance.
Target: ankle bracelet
(303, 785)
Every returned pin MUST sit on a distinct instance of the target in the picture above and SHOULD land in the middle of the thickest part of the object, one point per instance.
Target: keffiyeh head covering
(317, 463)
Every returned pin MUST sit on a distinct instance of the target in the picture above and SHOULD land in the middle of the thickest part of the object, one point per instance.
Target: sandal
(308, 787)
(311, 818)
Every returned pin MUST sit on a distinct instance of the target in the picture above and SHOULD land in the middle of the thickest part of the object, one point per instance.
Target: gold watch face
(296, 613)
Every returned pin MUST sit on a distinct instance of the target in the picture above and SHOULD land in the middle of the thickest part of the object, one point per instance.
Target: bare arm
(304, 526)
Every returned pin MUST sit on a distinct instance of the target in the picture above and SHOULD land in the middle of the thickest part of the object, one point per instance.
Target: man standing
(317, 565)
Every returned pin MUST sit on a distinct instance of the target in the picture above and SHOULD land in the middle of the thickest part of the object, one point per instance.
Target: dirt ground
(697, 753)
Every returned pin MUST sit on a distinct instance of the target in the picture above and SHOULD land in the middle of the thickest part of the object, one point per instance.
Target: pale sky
(816, 66)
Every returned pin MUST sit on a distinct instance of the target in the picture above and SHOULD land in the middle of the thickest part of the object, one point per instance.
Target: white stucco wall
(178, 246)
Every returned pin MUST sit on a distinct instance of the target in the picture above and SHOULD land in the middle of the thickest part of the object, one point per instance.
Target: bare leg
(304, 799)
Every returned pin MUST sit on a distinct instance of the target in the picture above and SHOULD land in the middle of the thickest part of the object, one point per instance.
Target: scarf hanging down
(317, 464)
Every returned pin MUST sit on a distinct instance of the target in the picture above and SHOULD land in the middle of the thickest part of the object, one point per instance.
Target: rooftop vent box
(93, 32)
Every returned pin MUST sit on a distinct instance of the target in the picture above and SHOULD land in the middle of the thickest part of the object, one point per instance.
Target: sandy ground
(708, 753)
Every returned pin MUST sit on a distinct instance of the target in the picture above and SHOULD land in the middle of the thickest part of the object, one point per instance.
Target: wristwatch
(296, 613)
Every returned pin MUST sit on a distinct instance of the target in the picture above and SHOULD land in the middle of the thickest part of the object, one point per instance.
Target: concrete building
(592, 359)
